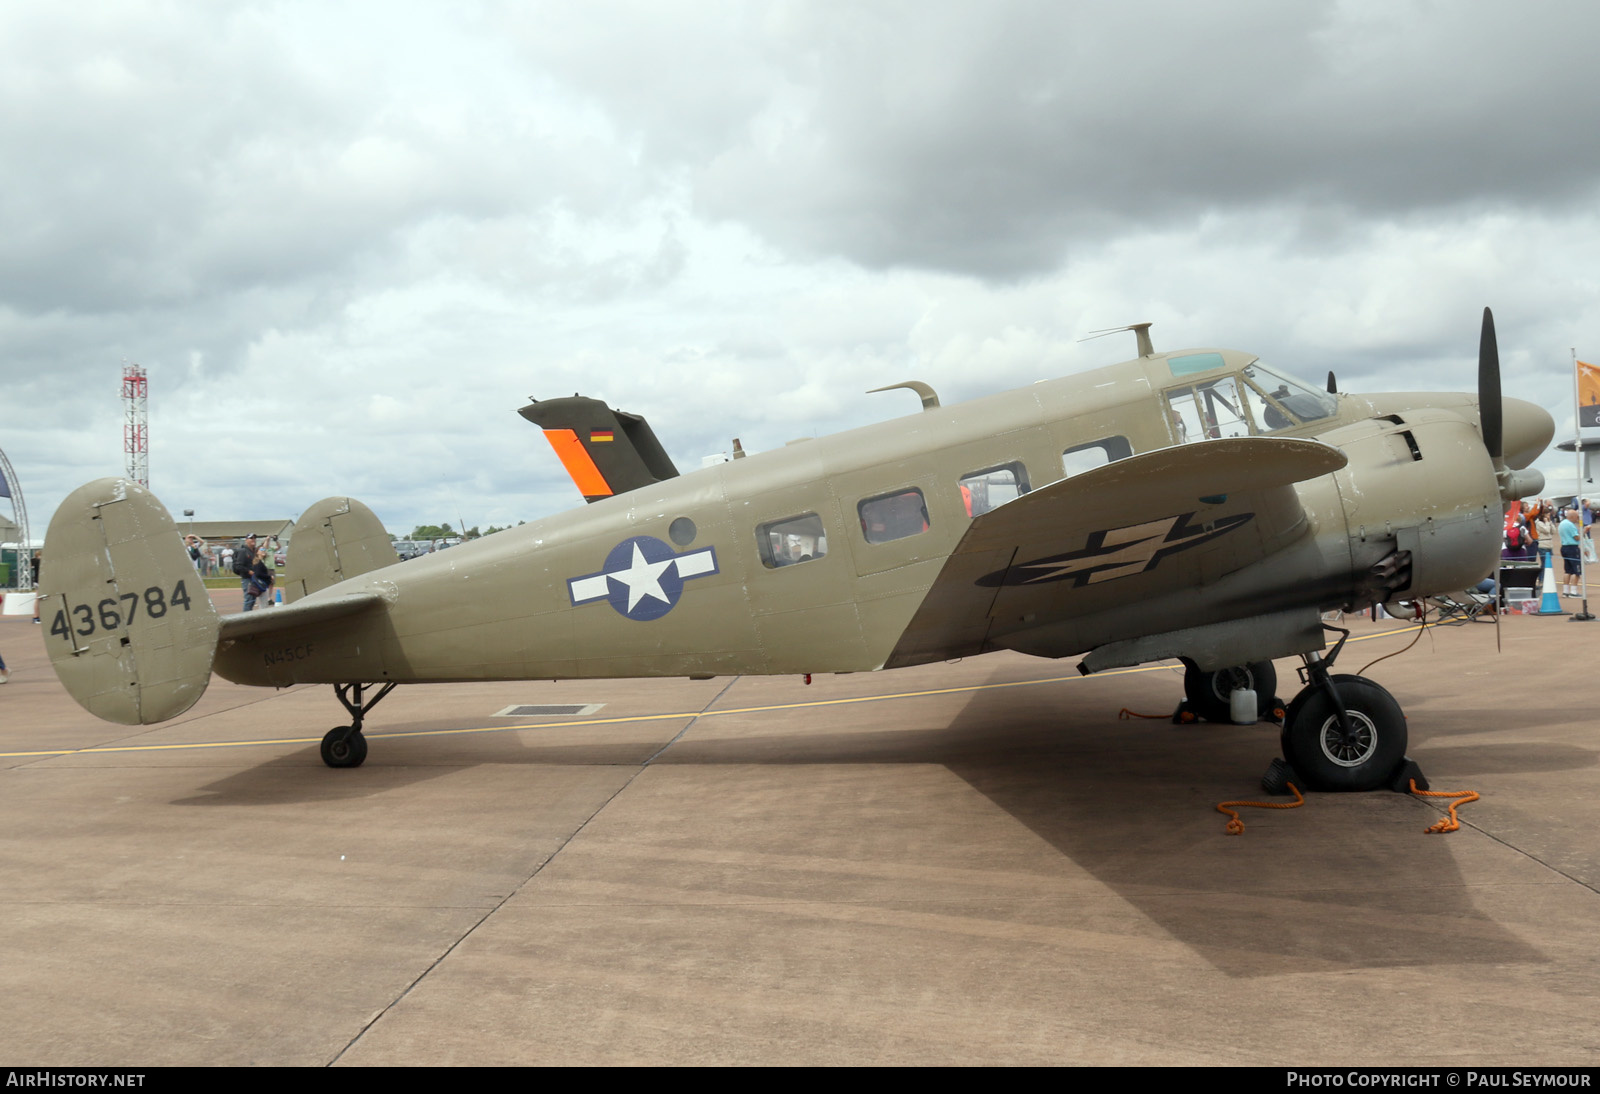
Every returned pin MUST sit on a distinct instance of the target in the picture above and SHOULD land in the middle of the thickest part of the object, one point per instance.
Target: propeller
(1489, 406)
(1491, 418)
(1333, 385)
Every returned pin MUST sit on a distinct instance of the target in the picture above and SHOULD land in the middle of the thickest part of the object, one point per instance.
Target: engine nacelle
(1420, 503)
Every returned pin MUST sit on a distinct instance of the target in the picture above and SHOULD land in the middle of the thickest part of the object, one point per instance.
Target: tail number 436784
(84, 620)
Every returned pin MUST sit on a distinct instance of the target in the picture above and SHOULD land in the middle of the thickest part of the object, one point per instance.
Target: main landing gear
(1345, 732)
(344, 746)
(1209, 694)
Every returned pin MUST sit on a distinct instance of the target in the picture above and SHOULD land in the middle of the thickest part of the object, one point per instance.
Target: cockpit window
(1282, 392)
(1190, 363)
(1207, 411)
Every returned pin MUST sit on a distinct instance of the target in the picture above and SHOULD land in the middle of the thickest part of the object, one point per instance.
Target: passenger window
(1087, 457)
(984, 490)
(893, 516)
(795, 539)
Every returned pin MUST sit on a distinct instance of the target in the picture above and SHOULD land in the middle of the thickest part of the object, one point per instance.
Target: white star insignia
(642, 578)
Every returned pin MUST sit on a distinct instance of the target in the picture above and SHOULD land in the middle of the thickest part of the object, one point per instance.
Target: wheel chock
(1278, 777)
(1407, 773)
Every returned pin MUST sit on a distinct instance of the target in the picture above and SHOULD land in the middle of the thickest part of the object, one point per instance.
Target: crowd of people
(249, 561)
(218, 559)
(1542, 527)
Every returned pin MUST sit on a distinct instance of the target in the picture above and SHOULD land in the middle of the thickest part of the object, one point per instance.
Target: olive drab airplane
(1197, 504)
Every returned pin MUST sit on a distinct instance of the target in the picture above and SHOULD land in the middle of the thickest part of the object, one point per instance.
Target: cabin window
(1087, 457)
(984, 490)
(1207, 411)
(893, 516)
(791, 540)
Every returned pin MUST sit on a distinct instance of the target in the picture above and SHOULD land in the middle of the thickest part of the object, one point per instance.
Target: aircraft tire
(340, 750)
(1311, 739)
(1207, 692)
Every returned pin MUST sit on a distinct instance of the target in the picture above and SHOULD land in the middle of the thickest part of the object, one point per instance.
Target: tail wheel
(1330, 758)
(1208, 692)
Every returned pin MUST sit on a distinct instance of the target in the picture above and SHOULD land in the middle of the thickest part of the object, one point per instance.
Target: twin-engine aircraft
(1197, 504)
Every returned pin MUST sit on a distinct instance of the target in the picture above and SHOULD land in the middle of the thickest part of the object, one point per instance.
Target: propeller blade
(1333, 385)
(1489, 406)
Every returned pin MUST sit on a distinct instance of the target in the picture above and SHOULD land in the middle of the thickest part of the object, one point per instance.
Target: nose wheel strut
(344, 746)
(1345, 732)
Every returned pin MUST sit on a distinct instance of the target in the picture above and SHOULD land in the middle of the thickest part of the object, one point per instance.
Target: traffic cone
(1549, 603)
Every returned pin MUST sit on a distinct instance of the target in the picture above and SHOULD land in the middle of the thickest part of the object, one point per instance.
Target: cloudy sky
(347, 241)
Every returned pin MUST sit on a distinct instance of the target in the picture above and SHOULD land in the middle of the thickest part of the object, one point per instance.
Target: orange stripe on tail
(575, 458)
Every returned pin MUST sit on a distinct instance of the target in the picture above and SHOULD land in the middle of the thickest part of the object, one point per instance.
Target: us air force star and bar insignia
(643, 577)
(1118, 552)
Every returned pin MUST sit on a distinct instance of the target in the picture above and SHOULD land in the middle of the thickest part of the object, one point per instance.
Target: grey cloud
(988, 139)
(179, 155)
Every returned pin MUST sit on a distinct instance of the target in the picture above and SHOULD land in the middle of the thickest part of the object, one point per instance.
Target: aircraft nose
(1526, 432)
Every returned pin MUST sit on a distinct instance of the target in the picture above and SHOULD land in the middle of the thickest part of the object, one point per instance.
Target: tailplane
(129, 626)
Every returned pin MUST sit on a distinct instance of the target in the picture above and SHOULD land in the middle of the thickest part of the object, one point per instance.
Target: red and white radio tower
(136, 424)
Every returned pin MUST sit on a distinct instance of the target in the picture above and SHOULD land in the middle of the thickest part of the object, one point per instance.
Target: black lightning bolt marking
(1118, 552)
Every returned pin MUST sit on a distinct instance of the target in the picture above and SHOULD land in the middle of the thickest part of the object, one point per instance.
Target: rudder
(130, 628)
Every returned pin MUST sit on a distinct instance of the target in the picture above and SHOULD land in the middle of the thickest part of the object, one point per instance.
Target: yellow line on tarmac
(624, 719)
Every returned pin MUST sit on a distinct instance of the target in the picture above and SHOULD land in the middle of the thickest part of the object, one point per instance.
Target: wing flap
(1129, 531)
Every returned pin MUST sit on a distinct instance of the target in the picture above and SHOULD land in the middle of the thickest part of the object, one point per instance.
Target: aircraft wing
(1131, 531)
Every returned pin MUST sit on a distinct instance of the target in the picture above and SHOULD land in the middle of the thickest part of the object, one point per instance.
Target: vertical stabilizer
(334, 540)
(128, 624)
(605, 451)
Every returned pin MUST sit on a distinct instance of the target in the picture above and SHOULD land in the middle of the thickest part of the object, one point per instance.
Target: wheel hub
(1349, 749)
(1224, 683)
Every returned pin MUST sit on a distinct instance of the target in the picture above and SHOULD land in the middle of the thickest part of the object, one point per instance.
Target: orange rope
(1125, 714)
(1235, 826)
(1463, 797)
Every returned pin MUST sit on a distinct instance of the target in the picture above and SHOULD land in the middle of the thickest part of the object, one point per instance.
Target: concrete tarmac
(961, 863)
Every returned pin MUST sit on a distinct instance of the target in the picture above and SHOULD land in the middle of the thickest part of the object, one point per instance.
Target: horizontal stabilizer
(129, 626)
(1125, 532)
(322, 610)
(334, 540)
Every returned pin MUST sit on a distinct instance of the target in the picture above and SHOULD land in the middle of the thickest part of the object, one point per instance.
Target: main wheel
(1328, 758)
(1208, 692)
(343, 747)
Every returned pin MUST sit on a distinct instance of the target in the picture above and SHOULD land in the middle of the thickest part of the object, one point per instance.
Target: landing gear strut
(344, 746)
(1343, 732)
